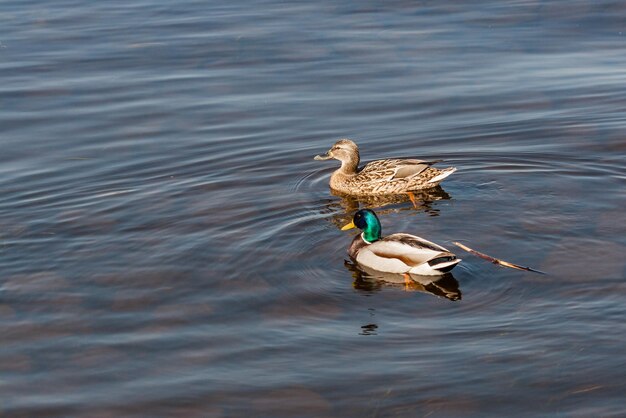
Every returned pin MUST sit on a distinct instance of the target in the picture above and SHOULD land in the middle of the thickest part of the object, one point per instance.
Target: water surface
(168, 246)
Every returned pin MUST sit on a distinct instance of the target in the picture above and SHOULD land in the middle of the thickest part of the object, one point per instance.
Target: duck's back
(397, 253)
(391, 176)
(387, 170)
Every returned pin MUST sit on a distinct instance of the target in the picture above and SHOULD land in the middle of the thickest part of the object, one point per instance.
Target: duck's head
(345, 151)
(367, 221)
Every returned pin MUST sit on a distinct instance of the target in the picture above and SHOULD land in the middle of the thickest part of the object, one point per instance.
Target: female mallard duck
(396, 253)
(380, 177)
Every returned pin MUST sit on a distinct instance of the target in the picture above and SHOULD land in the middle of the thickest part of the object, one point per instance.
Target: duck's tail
(444, 264)
(444, 173)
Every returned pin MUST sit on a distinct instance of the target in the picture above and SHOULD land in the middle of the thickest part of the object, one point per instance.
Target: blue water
(168, 246)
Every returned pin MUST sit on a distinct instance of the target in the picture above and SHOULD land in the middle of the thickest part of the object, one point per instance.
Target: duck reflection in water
(344, 208)
(369, 329)
(369, 280)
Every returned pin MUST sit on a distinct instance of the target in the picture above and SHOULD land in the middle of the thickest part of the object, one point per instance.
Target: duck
(399, 253)
(380, 177)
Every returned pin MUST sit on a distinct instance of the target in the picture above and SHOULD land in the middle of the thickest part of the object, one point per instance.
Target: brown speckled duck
(380, 177)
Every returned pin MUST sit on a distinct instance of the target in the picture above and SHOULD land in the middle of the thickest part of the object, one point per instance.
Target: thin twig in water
(496, 260)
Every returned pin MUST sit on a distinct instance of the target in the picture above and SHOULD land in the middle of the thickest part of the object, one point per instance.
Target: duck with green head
(396, 253)
(380, 177)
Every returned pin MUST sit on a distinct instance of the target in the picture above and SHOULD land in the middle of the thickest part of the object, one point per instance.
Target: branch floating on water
(496, 260)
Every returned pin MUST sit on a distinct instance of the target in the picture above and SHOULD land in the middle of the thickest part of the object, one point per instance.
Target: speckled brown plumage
(380, 177)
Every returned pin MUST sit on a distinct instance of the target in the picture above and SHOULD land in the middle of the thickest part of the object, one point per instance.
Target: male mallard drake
(380, 177)
(396, 253)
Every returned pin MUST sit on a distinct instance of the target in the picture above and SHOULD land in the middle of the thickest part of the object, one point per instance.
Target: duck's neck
(371, 234)
(350, 165)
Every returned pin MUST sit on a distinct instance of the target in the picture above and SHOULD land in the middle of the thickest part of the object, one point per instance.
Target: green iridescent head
(367, 221)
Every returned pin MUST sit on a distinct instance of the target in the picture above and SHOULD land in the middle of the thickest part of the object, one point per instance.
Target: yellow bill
(348, 226)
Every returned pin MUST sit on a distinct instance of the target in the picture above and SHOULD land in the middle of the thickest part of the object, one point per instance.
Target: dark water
(168, 246)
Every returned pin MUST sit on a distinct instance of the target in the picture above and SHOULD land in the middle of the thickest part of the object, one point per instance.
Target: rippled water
(168, 246)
